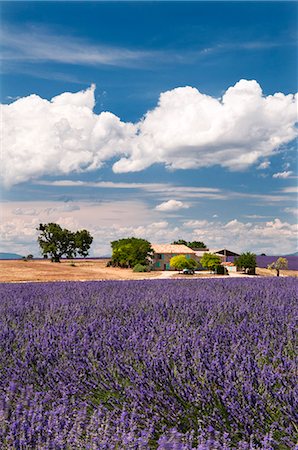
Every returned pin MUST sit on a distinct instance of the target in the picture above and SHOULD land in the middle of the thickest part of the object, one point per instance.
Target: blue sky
(184, 136)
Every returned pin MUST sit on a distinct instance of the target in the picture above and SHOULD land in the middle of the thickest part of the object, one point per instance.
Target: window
(158, 264)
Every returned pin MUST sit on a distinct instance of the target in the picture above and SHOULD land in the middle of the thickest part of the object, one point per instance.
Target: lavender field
(161, 364)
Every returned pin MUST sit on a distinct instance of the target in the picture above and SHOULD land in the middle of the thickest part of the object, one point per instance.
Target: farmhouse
(164, 252)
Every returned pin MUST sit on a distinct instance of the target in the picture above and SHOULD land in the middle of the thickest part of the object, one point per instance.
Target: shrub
(221, 270)
(140, 268)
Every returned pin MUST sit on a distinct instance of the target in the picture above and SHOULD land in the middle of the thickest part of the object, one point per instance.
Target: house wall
(161, 261)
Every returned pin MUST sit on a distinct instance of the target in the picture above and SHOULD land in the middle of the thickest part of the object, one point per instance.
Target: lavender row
(161, 364)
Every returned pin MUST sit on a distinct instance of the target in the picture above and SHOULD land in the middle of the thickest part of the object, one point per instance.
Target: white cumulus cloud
(264, 165)
(284, 174)
(171, 205)
(187, 129)
(58, 136)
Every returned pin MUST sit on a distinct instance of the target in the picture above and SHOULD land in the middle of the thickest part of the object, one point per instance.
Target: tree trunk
(277, 272)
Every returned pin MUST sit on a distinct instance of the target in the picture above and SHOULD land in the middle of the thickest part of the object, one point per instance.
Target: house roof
(172, 248)
(226, 252)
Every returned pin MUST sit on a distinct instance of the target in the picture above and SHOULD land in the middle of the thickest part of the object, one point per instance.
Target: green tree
(55, 241)
(180, 242)
(190, 244)
(196, 244)
(210, 261)
(180, 262)
(247, 261)
(129, 252)
(279, 264)
(83, 241)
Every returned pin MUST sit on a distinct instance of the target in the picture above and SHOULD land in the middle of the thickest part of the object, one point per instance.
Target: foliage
(246, 261)
(56, 242)
(129, 252)
(140, 268)
(279, 264)
(221, 270)
(190, 244)
(180, 262)
(83, 241)
(210, 261)
(192, 263)
(120, 364)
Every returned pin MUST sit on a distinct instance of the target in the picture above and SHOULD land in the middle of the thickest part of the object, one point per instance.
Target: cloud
(264, 165)
(36, 45)
(186, 130)
(58, 136)
(290, 190)
(171, 205)
(292, 210)
(25, 212)
(285, 174)
(18, 232)
(255, 216)
(106, 185)
(195, 223)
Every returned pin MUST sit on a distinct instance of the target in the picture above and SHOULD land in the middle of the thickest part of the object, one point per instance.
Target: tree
(56, 242)
(180, 242)
(190, 244)
(180, 262)
(129, 252)
(83, 241)
(279, 264)
(196, 244)
(246, 261)
(210, 261)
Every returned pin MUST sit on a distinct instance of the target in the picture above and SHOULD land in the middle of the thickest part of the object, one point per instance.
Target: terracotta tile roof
(172, 248)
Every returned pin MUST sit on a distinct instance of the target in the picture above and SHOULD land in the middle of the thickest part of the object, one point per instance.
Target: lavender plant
(161, 364)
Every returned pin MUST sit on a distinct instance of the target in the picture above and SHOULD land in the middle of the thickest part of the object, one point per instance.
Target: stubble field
(88, 270)
(70, 270)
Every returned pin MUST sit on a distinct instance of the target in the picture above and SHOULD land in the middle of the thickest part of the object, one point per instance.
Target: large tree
(56, 242)
(279, 264)
(246, 261)
(129, 252)
(210, 261)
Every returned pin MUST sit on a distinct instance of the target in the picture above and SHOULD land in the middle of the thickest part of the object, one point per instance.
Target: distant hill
(293, 254)
(10, 256)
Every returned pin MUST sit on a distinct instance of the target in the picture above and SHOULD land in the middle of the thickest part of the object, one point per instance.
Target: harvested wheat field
(272, 273)
(66, 270)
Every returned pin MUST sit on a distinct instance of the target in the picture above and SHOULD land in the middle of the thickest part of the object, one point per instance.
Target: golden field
(66, 270)
(93, 269)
